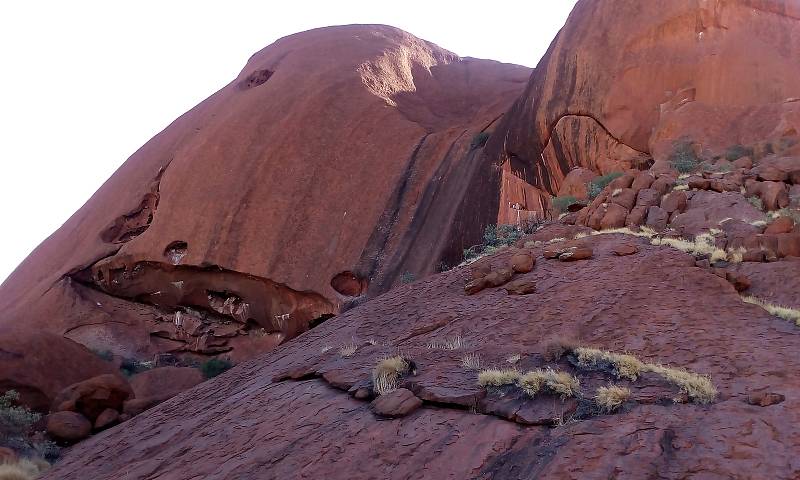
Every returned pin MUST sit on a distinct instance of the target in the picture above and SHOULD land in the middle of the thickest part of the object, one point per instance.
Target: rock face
(304, 407)
(337, 161)
(622, 83)
(38, 365)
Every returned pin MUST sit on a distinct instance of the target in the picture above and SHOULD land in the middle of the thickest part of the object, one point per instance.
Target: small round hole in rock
(175, 251)
(349, 284)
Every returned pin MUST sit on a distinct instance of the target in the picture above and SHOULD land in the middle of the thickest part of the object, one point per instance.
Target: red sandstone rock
(643, 180)
(780, 225)
(744, 162)
(398, 403)
(91, 397)
(40, 364)
(68, 426)
(108, 418)
(347, 194)
(657, 218)
(765, 399)
(626, 197)
(159, 384)
(521, 286)
(648, 198)
(636, 217)
(674, 202)
(522, 263)
(698, 183)
(625, 249)
(480, 270)
(575, 183)
(498, 277)
(614, 218)
(573, 254)
(474, 286)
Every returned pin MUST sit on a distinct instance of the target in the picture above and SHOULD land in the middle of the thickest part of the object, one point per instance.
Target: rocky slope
(623, 82)
(647, 330)
(338, 161)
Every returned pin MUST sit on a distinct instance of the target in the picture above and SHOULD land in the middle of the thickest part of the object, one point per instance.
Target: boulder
(674, 202)
(780, 225)
(624, 249)
(522, 286)
(28, 360)
(657, 218)
(575, 183)
(474, 286)
(648, 198)
(522, 263)
(159, 384)
(480, 270)
(643, 180)
(698, 183)
(398, 403)
(765, 399)
(625, 197)
(573, 254)
(91, 397)
(614, 218)
(68, 427)
(769, 173)
(107, 418)
(663, 184)
(636, 217)
(498, 277)
(744, 162)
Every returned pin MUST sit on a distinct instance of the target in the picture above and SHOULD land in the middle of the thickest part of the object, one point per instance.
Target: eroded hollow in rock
(243, 302)
(259, 77)
(349, 284)
(133, 224)
(175, 251)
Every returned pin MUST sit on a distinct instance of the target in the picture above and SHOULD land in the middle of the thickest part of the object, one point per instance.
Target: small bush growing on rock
(104, 354)
(387, 373)
(738, 151)
(596, 186)
(495, 377)
(215, 366)
(407, 277)
(549, 381)
(562, 204)
(15, 420)
(611, 397)
(494, 237)
(683, 158)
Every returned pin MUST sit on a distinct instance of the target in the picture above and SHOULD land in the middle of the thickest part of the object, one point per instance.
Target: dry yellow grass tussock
(625, 366)
(786, 313)
(471, 361)
(387, 373)
(611, 397)
(698, 387)
(494, 377)
(551, 381)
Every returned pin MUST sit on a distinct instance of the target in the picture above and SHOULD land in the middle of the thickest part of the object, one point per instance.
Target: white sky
(84, 83)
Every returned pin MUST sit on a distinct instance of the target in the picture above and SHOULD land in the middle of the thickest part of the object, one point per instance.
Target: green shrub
(738, 151)
(494, 237)
(683, 159)
(597, 185)
(563, 203)
(479, 140)
(407, 277)
(215, 366)
(15, 421)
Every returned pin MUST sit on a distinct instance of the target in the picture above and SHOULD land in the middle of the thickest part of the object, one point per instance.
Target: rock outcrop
(623, 83)
(339, 160)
